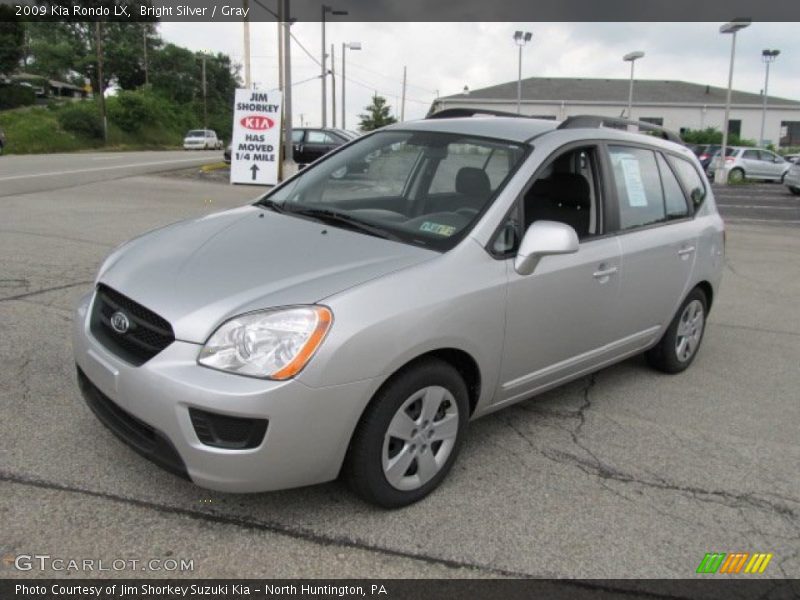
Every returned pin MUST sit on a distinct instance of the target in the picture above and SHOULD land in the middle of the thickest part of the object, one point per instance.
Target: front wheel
(409, 436)
(795, 190)
(681, 341)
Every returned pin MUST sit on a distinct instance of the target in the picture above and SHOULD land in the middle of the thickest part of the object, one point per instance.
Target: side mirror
(544, 238)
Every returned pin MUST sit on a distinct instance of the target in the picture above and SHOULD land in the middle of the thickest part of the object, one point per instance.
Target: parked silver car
(751, 163)
(792, 178)
(356, 326)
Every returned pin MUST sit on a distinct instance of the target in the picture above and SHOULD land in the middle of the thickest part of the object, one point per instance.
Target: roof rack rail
(452, 113)
(594, 122)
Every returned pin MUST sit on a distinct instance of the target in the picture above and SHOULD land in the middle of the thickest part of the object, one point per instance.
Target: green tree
(12, 38)
(377, 115)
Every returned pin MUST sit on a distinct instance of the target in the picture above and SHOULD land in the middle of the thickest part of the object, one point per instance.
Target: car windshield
(423, 188)
(196, 133)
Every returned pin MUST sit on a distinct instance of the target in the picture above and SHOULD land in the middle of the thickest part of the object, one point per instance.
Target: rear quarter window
(692, 183)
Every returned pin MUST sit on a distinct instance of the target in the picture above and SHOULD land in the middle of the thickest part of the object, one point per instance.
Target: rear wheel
(409, 436)
(681, 341)
(795, 190)
(736, 176)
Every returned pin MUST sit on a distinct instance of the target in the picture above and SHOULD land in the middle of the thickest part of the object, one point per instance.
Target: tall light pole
(325, 10)
(632, 57)
(333, 86)
(721, 173)
(521, 38)
(246, 34)
(768, 56)
(350, 46)
(289, 166)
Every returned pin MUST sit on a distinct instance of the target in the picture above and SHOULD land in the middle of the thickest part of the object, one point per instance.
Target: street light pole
(205, 95)
(333, 88)
(324, 74)
(520, 38)
(631, 57)
(768, 56)
(289, 166)
(721, 173)
(345, 46)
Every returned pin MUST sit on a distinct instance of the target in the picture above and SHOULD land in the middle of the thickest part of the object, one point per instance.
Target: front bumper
(792, 178)
(306, 439)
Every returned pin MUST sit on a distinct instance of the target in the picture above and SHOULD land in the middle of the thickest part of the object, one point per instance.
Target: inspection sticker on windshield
(437, 228)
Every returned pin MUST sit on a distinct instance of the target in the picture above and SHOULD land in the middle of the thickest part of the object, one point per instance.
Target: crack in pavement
(595, 466)
(45, 290)
(259, 525)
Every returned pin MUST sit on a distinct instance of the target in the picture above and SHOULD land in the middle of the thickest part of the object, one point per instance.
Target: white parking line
(746, 220)
(56, 173)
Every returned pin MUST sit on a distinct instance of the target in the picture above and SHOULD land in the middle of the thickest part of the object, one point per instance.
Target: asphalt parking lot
(627, 473)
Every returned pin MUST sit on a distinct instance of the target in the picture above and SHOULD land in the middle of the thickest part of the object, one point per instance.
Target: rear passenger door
(753, 165)
(658, 242)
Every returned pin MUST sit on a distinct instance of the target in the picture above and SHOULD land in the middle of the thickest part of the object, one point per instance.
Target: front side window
(638, 184)
(424, 188)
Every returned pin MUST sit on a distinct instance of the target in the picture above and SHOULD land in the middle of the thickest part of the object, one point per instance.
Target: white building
(676, 105)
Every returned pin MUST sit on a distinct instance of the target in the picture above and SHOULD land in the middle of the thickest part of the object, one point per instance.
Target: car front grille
(147, 334)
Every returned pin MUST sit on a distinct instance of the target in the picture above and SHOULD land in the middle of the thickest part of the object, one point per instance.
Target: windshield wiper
(333, 217)
(272, 205)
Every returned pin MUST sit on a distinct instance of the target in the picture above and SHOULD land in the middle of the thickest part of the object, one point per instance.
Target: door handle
(604, 272)
(686, 251)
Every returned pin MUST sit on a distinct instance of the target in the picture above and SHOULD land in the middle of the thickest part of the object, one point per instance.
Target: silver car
(355, 326)
(792, 178)
(751, 163)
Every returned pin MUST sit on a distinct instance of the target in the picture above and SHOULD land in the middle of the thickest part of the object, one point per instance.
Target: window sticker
(437, 228)
(633, 181)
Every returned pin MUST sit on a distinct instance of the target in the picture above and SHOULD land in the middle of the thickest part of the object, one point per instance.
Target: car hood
(198, 273)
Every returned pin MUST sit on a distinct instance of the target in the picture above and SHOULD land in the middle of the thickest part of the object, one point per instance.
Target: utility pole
(98, 32)
(333, 88)
(246, 27)
(403, 103)
(324, 70)
(205, 95)
(289, 166)
(144, 42)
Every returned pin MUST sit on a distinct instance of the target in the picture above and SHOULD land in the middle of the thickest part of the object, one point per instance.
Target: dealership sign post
(256, 143)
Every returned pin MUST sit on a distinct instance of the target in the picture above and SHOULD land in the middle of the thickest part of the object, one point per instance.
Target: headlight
(273, 344)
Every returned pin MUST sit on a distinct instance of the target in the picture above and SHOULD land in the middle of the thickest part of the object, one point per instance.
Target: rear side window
(691, 180)
(641, 200)
(674, 199)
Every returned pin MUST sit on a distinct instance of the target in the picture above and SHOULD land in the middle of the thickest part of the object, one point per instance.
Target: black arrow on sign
(254, 169)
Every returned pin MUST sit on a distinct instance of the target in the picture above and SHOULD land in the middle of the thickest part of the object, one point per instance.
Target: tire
(736, 176)
(795, 190)
(394, 471)
(678, 347)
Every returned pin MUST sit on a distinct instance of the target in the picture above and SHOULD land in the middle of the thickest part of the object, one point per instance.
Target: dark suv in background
(312, 143)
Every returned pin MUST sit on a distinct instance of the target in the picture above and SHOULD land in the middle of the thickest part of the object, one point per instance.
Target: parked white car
(750, 163)
(202, 139)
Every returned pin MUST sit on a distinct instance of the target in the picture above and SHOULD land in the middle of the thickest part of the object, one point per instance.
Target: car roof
(513, 129)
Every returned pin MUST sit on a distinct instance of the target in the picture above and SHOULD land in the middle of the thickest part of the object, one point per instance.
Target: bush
(81, 118)
(14, 96)
(130, 111)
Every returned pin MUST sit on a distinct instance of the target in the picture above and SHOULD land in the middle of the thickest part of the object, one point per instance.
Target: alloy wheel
(690, 330)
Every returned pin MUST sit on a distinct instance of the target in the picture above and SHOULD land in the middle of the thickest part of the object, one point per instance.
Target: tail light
(729, 159)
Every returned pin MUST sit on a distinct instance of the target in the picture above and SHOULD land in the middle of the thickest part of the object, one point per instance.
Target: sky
(444, 57)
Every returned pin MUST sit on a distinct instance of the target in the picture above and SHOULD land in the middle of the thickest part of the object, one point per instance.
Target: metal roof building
(677, 105)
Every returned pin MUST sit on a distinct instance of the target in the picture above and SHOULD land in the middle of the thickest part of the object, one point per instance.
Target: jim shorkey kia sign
(256, 137)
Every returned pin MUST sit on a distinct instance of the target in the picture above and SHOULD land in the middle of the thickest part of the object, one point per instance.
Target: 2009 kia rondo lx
(353, 322)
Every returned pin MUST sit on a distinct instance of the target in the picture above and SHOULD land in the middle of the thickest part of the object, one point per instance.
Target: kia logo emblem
(120, 322)
(257, 122)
